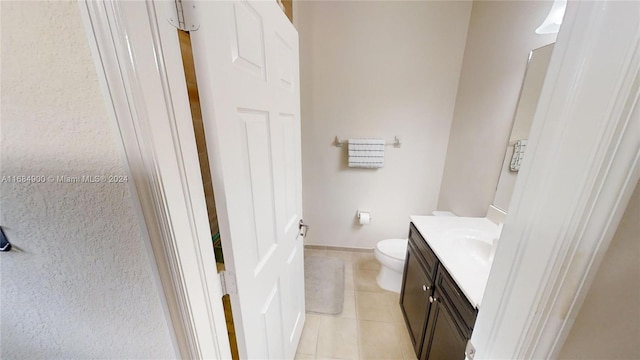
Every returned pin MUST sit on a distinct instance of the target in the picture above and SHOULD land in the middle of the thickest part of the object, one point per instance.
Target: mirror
(525, 110)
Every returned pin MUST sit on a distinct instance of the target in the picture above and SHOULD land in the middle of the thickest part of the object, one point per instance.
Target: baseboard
(337, 248)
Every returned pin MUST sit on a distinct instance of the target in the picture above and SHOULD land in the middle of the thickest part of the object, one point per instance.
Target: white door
(246, 59)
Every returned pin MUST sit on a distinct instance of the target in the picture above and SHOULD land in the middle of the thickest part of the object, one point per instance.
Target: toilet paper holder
(364, 217)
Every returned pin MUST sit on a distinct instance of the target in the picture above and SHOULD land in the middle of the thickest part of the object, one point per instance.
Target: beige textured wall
(501, 35)
(82, 286)
(376, 69)
(608, 324)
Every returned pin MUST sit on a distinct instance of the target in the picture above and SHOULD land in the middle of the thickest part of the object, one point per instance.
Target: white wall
(82, 286)
(608, 324)
(501, 35)
(376, 69)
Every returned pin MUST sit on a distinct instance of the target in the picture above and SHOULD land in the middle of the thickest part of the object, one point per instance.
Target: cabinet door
(425, 254)
(414, 299)
(444, 340)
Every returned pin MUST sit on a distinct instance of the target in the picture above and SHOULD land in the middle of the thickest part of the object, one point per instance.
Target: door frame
(141, 77)
(137, 57)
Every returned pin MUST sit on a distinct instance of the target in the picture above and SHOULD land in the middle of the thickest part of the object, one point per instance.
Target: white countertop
(461, 262)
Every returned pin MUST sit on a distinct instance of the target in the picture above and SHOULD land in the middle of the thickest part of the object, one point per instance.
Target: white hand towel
(366, 153)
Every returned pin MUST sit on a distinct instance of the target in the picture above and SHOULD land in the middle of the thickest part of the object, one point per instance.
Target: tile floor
(370, 326)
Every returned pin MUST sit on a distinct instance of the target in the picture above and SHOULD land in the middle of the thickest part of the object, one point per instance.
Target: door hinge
(228, 282)
(181, 14)
(470, 351)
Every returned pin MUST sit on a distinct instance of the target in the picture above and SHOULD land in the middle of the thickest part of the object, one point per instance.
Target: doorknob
(432, 299)
(303, 228)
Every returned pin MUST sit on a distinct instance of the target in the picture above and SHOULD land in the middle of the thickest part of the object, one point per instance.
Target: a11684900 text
(64, 179)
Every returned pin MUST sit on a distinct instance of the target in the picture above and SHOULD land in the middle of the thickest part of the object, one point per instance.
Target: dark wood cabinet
(444, 339)
(439, 317)
(417, 286)
(451, 320)
(415, 297)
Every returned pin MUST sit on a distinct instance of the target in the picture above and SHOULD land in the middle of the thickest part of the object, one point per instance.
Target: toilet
(391, 254)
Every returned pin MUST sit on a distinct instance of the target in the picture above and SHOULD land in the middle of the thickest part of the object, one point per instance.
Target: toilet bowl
(391, 254)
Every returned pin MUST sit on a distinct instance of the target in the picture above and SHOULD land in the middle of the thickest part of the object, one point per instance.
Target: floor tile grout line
(355, 301)
(315, 348)
(355, 268)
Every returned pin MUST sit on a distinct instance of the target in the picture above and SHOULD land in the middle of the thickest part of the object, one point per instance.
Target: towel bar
(396, 142)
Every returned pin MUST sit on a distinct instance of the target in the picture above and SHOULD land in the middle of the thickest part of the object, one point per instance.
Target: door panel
(293, 298)
(257, 149)
(292, 192)
(414, 299)
(285, 66)
(246, 60)
(444, 340)
(247, 39)
(272, 322)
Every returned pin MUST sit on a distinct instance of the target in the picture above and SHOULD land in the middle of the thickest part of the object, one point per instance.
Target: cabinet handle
(425, 287)
(433, 299)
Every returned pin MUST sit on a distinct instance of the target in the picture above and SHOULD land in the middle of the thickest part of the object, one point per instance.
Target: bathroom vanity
(446, 271)
(449, 258)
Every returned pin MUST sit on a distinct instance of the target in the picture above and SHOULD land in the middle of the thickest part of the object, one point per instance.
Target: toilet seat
(394, 248)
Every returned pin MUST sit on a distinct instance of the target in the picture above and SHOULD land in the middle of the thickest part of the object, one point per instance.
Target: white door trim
(572, 190)
(137, 56)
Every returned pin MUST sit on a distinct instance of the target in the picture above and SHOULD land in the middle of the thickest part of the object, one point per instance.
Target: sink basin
(476, 243)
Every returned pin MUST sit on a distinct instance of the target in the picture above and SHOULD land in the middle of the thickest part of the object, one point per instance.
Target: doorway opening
(201, 144)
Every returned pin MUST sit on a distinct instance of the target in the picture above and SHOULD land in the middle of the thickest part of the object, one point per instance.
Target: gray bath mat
(324, 284)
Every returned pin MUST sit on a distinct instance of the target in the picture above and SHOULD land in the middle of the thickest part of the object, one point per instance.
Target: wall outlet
(470, 351)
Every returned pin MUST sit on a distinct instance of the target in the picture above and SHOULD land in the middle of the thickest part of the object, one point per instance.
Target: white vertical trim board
(572, 192)
(137, 55)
